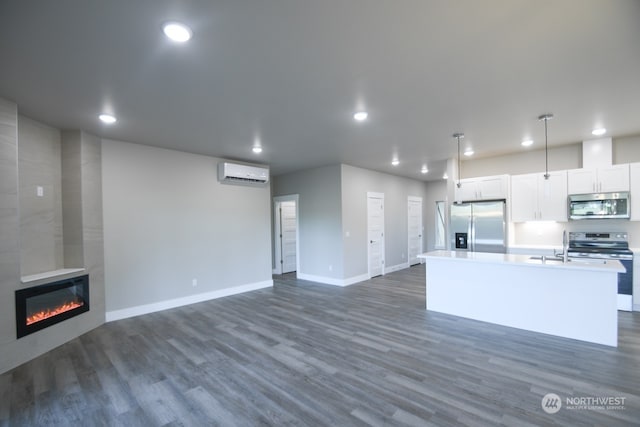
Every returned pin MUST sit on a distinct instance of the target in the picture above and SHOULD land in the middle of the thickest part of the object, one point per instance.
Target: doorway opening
(286, 238)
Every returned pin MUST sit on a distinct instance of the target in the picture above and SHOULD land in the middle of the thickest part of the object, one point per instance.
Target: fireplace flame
(45, 314)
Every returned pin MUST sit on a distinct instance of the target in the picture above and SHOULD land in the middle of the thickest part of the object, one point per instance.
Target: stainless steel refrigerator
(479, 226)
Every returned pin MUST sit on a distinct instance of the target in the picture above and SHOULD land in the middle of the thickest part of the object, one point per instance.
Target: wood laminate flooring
(308, 354)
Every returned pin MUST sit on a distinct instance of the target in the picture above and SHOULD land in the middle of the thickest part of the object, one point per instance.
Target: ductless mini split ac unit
(235, 173)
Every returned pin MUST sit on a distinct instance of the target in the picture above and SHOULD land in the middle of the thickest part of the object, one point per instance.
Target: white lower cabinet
(534, 198)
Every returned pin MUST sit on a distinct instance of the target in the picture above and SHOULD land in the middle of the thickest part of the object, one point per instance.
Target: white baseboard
(331, 280)
(178, 302)
(625, 302)
(355, 279)
(396, 267)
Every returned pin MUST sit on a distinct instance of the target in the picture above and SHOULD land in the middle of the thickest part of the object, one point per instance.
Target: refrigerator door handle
(472, 233)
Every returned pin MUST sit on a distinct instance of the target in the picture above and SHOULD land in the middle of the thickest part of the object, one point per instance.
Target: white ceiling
(292, 72)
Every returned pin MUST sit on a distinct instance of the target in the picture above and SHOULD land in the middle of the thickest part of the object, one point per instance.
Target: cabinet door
(582, 181)
(552, 197)
(614, 178)
(634, 175)
(468, 190)
(494, 187)
(524, 202)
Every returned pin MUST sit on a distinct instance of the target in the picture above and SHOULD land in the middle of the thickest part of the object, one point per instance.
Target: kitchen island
(573, 300)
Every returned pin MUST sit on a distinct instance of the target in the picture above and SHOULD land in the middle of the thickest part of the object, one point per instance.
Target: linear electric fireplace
(42, 306)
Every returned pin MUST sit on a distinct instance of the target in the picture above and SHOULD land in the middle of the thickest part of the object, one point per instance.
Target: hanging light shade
(458, 136)
(546, 118)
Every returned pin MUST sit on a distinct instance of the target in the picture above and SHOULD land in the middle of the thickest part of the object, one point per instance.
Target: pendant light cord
(457, 136)
(459, 164)
(546, 118)
(546, 151)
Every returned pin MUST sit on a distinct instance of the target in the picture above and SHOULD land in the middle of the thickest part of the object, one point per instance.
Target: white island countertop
(526, 260)
(575, 299)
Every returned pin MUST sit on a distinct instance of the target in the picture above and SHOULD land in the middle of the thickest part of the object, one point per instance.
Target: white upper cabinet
(614, 178)
(484, 188)
(534, 198)
(634, 174)
(600, 180)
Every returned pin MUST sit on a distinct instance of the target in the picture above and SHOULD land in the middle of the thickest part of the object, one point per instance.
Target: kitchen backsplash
(539, 233)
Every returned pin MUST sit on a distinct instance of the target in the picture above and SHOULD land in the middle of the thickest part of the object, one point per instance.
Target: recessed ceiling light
(177, 32)
(395, 162)
(468, 152)
(424, 169)
(360, 116)
(599, 131)
(527, 142)
(445, 176)
(107, 118)
(257, 150)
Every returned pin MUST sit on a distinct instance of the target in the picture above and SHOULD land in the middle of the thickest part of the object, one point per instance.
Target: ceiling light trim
(177, 31)
(107, 119)
(360, 116)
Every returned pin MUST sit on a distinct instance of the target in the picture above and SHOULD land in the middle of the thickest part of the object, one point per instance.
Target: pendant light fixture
(458, 136)
(546, 118)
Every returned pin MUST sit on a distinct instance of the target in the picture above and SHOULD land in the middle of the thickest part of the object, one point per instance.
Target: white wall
(319, 220)
(356, 182)
(436, 191)
(332, 204)
(526, 161)
(168, 220)
(626, 149)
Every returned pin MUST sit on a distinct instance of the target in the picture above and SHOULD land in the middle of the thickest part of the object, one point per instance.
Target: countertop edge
(520, 260)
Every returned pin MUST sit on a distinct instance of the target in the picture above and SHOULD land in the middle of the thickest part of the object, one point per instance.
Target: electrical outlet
(330, 267)
(39, 191)
(194, 282)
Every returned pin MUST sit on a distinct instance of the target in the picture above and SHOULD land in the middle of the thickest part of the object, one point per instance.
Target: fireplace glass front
(45, 305)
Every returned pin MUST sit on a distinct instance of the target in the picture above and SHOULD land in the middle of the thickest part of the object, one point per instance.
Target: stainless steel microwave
(600, 206)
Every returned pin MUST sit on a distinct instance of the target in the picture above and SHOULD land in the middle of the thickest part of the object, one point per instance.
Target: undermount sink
(558, 260)
(545, 259)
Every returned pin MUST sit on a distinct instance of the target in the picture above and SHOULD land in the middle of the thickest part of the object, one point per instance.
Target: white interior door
(285, 237)
(288, 232)
(375, 233)
(415, 229)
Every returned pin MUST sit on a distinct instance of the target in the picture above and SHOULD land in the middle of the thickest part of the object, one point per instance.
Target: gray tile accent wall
(92, 225)
(9, 226)
(83, 157)
(72, 198)
(41, 247)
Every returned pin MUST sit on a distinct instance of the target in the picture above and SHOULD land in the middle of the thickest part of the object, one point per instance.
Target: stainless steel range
(603, 246)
